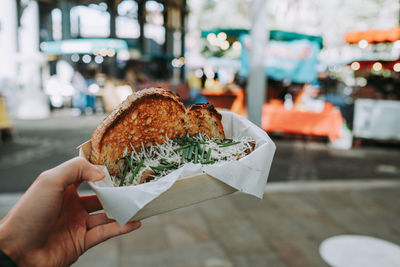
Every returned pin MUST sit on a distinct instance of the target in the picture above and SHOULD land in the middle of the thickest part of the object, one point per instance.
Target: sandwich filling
(155, 161)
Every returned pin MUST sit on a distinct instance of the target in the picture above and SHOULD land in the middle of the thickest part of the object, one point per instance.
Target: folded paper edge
(148, 210)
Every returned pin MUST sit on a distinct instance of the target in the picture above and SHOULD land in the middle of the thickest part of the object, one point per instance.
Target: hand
(51, 225)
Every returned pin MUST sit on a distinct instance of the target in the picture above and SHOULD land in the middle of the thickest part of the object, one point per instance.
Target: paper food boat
(192, 183)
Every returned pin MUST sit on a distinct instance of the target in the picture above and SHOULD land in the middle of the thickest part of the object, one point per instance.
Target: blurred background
(322, 78)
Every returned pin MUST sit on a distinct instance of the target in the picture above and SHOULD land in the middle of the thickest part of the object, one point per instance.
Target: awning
(373, 36)
(229, 32)
(291, 36)
(82, 46)
(273, 35)
(368, 64)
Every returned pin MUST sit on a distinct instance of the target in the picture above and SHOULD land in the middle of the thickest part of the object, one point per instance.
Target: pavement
(286, 228)
(314, 192)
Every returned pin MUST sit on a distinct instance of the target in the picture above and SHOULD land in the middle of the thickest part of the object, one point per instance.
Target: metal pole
(112, 11)
(141, 18)
(257, 78)
(166, 27)
(45, 22)
(65, 7)
(183, 30)
(168, 43)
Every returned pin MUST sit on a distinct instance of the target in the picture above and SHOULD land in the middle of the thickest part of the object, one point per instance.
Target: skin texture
(51, 224)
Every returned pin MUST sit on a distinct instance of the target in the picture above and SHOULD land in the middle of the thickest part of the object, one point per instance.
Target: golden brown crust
(204, 118)
(145, 118)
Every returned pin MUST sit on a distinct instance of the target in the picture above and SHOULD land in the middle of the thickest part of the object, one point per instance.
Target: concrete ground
(314, 192)
(286, 228)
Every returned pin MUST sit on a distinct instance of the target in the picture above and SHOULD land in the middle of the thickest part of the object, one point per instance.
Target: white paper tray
(184, 192)
(192, 183)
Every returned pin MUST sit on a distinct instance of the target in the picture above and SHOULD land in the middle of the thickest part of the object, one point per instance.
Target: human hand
(50, 225)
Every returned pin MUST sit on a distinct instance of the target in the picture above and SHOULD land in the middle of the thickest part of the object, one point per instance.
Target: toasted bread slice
(203, 118)
(145, 118)
(148, 117)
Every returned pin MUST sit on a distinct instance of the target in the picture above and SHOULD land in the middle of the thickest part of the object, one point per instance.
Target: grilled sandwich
(147, 118)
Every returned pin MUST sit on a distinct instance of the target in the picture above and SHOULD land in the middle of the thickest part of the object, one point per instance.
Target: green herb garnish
(229, 144)
(190, 153)
(208, 154)
(121, 183)
(136, 171)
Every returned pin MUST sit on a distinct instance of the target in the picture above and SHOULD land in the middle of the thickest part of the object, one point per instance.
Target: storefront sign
(82, 46)
(295, 60)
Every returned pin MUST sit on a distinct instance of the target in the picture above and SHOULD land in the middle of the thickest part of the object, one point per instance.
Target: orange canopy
(373, 36)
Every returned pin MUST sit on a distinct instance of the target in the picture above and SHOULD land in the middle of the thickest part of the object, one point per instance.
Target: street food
(151, 134)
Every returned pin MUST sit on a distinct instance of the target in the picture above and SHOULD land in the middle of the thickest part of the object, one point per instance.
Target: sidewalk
(283, 229)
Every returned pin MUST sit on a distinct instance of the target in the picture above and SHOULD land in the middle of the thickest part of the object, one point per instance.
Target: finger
(91, 203)
(74, 171)
(97, 219)
(103, 232)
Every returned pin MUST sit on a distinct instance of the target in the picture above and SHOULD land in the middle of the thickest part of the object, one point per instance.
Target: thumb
(75, 171)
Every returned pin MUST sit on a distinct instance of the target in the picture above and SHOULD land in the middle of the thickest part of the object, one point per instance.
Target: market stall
(291, 60)
(373, 36)
(377, 98)
(290, 56)
(377, 119)
(84, 83)
(221, 50)
(277, 118)
(233, 100)
(291, 67)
